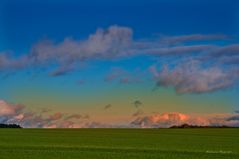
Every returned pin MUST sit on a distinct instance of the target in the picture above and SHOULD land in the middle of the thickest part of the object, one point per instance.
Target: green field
(215, 143)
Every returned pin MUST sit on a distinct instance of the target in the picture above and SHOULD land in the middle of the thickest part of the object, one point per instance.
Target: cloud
(154, 71)
(228, 50)
(18, 114)
(98, 125)
(8, 109)
(122, 76)
(115, 73)
(173, 40)
(191, 77)
(166, 120)
(104, 44)
(178, 50)
(77, 116)
(110, 43)
(137, 103)
(55, 116)
(9, 63)
(45, 110)
(160, 120)
(218, 68)
(113, 42)
(233, 118)
(15, 113)
(63, 70)
(138, 113)
(104, 125)
(108, 106)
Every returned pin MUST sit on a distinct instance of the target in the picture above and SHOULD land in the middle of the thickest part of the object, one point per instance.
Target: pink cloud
(17, 114)
(56, 116)
(9, 109)
(175, 118)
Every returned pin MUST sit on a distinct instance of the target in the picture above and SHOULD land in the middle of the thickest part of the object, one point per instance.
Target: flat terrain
(206, 143)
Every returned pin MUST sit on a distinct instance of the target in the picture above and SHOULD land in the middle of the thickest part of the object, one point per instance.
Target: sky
(154, 63)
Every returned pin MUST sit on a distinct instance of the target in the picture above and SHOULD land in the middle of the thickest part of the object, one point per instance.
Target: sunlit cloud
(166, 120)
(18, 114)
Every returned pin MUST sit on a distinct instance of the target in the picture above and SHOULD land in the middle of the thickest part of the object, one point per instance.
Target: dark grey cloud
(108, 106)
(62, 70)
(137, 103)
(235, 117)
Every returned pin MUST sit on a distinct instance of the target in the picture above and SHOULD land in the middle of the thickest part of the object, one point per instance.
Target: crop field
(206, 143)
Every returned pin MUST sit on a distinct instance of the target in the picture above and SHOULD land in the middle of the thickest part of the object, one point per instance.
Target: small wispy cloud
(137, 103)
(175, 40)
(122, 76)
(138, 113)
(108, 106)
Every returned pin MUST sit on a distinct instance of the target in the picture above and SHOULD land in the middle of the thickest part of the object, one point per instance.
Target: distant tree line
(197, 126)
(10, 126)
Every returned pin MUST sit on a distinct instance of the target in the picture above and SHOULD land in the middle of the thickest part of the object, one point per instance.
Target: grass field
(119, 143)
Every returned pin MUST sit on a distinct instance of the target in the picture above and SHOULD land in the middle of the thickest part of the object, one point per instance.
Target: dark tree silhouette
(197, 126)
(10, 126)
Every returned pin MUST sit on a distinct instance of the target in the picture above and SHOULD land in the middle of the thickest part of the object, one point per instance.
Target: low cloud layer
(18, 114)
(216, 68)
(166, 120)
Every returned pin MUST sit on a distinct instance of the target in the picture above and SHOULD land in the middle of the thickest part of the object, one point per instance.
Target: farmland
(188, 143)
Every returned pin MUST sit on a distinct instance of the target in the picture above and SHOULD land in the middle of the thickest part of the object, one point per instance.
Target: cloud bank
(18, 114)
(166, 120)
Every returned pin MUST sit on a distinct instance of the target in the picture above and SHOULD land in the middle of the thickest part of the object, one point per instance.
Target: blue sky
(184, 51)
(25, 22)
